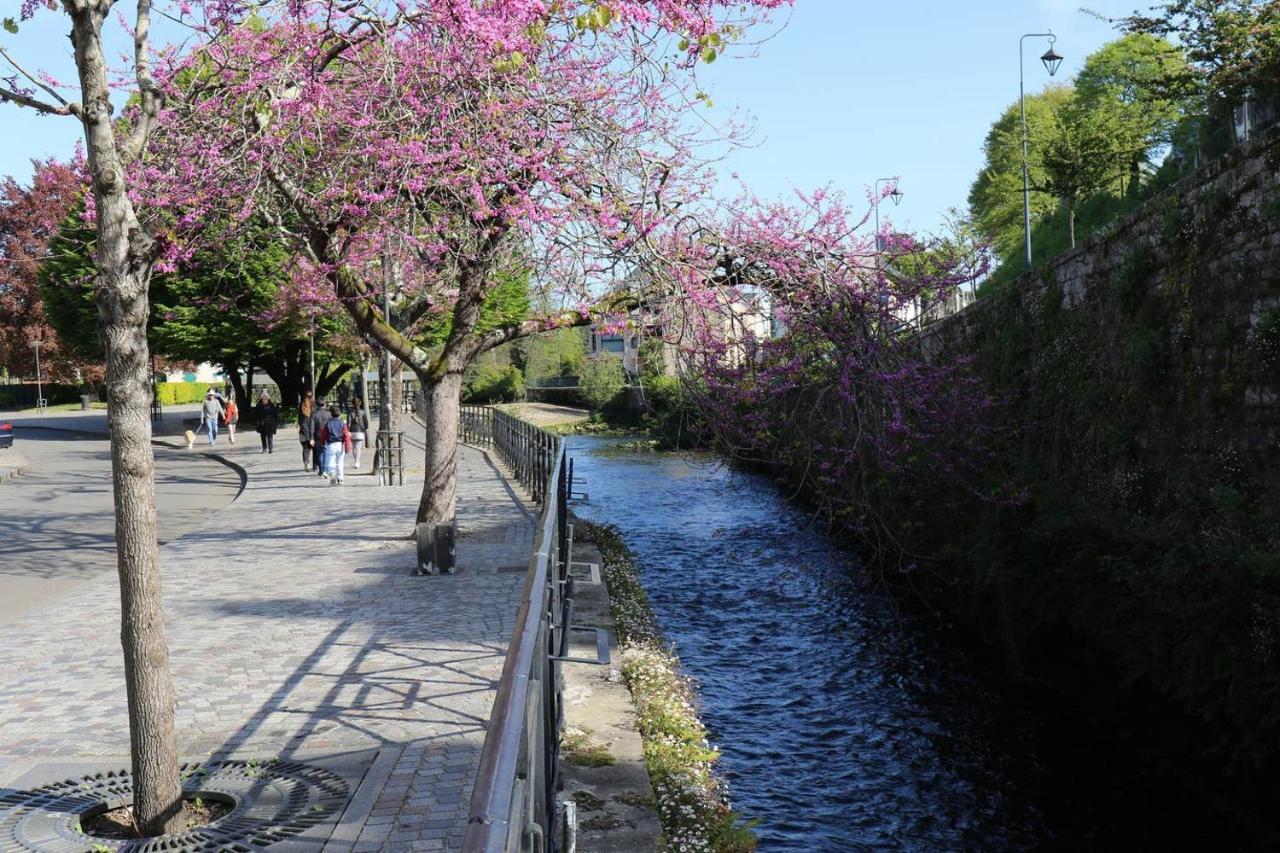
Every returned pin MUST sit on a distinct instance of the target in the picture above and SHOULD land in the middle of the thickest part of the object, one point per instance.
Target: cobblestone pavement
(295, 625)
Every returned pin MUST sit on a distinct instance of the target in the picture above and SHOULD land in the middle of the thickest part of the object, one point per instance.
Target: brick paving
(295, 625)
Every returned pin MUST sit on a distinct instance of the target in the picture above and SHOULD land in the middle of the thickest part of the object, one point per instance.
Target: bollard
(436, 548)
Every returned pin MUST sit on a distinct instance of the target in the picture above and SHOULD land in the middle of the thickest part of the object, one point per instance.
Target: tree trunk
(1071, 219)
(329, 377)
(124, 258)
(439, 487)
(232, 367)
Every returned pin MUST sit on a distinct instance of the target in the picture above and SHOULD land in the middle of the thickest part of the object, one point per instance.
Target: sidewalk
(296, 629)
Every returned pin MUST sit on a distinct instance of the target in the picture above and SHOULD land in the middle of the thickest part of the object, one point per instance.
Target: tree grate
(272, 800)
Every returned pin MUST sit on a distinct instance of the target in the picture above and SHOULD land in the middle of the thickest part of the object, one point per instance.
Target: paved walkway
(294, 627)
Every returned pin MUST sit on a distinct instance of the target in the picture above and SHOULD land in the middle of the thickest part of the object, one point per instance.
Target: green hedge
(178, 393)
(491, 383)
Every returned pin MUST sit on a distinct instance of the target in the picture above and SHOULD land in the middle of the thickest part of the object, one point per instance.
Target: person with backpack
(336, 440)
(266, 419)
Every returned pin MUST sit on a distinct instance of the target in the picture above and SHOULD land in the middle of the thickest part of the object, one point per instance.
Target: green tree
(214, 308)
(602, 379)
(1121, 85)
(1232, 46)
(1092, 145)
(995, 198)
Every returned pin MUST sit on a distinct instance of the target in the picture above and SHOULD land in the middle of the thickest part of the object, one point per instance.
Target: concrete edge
(353, 819)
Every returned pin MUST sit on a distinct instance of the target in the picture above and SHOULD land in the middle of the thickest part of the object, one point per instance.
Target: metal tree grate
(273, 800)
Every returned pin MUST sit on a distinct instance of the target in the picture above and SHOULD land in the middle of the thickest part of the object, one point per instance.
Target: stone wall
(1182, 296)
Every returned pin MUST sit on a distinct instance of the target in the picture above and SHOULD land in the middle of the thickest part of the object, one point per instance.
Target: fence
(513, 803)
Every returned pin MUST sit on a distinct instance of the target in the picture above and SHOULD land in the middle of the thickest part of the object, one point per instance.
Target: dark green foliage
(602, 382)
(486, 382)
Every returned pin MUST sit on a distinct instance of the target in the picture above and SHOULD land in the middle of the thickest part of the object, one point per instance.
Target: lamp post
(39, 383)
(895, 194)
(1051, 61)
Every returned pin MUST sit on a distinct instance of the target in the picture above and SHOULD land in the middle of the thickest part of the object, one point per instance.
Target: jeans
(333, 456)
(212, 424)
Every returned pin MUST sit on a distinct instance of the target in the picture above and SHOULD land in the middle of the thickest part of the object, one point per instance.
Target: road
(57, 525)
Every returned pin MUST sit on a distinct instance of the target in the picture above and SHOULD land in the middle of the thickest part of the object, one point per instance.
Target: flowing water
(842, 724)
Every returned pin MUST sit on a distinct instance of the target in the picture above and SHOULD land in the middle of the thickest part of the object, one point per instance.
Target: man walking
(210, 412)
(319, 417)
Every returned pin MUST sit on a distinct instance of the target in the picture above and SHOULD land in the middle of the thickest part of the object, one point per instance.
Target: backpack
(334, 428)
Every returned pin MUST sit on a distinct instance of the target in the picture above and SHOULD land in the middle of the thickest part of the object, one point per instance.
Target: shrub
(492, 383)
(179, 393)
(602, 381)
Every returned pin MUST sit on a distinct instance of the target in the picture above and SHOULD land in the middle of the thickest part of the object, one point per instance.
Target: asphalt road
(56, 520)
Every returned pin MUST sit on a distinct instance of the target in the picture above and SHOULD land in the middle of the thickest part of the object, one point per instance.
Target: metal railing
(513, 803)
(529, 452)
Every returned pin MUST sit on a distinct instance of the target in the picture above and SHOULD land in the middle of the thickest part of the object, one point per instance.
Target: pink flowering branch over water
(801, 340)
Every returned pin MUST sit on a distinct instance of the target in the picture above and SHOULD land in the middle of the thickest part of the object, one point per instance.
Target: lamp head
(1051, 60)
(896, 195)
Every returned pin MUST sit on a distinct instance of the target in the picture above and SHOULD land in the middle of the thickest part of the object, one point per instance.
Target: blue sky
(845, 93)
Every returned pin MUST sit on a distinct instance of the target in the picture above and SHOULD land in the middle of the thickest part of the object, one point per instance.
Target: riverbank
(690, 798)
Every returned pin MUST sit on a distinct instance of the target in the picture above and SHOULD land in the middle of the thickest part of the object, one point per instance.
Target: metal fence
(529, 452)
(513, 803)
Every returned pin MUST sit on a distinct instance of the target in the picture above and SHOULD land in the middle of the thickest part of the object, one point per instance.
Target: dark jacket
(358, 421)
(319, 418)
(306, 426)
(343, 435)
(267, 418)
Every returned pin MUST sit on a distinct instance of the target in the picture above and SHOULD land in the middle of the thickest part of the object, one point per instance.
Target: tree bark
(125, 255)
(1071, 219)
(232, 368)
(439, 493)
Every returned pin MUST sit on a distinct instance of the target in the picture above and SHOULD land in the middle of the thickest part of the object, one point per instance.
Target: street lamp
(895, 194)
(40, 404)
(1051, 61)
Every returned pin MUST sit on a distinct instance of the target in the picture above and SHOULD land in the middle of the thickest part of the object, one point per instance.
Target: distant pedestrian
(232, 416)
(266, 416)
(306, 432)
(358, 423)
(336, 440)
(344, 396)
(210, 412)
(318, 419)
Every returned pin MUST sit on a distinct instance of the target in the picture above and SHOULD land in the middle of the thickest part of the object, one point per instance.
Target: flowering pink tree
(126, 253)
(430, 155)
(839, 396)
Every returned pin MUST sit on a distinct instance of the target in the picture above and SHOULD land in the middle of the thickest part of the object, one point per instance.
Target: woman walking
(335, 438)
(231, 414)
(306, 433)
(358, 423)
(267, 418)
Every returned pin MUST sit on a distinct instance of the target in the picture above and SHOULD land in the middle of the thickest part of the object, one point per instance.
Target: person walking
(209, 413)
(306, 432)
(266, 416)
(358, 423)
(319, 417)
(336, 440)
(232, 416)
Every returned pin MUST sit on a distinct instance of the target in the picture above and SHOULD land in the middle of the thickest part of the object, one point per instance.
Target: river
(844, 725)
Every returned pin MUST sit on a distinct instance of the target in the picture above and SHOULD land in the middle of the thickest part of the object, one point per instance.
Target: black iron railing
(513, 803)
(530, 452)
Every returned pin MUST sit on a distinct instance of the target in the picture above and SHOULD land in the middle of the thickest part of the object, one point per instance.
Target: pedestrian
(306, 432)
(319, 418)
(232, 416)
(344, 396)
(267, 418)
(358, 423)
(210, 412)
(335, 437)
